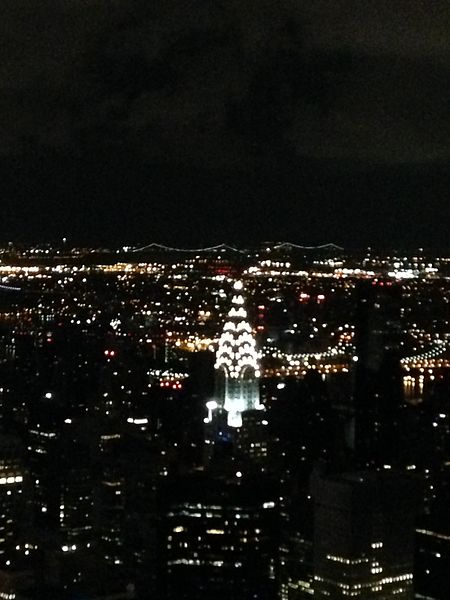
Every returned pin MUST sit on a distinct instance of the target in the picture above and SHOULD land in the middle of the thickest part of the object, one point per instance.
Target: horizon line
(225, 246)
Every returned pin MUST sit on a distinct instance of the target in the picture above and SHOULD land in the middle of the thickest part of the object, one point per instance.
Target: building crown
(236, 351)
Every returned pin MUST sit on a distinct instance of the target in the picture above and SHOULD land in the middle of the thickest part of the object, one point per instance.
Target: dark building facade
(221, 538)
(364, 536)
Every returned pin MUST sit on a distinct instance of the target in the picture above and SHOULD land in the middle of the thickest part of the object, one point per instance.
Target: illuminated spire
(237, 347)
(237, 362)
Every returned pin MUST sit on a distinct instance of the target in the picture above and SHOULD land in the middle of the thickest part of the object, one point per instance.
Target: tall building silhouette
(378, 387)
(11, 494)
(221, 536)
(364, 536)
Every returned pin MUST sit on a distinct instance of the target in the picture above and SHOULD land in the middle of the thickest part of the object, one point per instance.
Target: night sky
(198, 121)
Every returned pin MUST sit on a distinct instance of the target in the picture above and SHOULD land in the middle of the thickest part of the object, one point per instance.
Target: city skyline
(270, 421)
(224, 300)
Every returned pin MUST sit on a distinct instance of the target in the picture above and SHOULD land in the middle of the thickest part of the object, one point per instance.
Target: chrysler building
(237, 364)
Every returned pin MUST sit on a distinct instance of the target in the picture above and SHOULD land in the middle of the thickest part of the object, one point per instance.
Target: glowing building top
(237, 363)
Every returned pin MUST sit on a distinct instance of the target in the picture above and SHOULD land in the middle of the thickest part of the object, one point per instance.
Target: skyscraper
(378, 388)
(221, 536)
(235, 414)
(237, 363)
(11, 488)
(364, 535)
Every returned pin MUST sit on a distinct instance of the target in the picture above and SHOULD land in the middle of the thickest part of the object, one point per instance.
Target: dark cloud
(241, 94)
(407, 28)
(223, 82)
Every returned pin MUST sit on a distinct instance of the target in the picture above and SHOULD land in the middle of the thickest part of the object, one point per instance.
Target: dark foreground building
(364, 536)
(221, 538)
